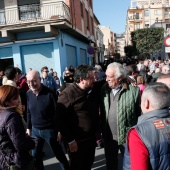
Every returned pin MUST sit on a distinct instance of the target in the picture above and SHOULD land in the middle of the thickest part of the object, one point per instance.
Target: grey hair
(120, 71)
(98, 67)
(158, 94)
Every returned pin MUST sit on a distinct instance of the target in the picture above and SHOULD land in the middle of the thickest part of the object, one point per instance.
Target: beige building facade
(120, 44)
(108, 40)
(144, 14)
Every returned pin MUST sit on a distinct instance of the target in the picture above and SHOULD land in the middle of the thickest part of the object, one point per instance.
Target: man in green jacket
(120, 108)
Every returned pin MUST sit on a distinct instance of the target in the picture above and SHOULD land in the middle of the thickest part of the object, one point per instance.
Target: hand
(73, 146)
(59, 137)
(28, 132)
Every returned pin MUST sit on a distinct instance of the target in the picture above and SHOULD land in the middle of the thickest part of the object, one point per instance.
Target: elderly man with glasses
(41, 110)
(48, 80)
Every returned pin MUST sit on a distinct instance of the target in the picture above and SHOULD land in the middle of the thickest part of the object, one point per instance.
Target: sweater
(41, 109)
(128, 109)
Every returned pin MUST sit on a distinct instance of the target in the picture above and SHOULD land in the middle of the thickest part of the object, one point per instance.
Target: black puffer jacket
(14, 144)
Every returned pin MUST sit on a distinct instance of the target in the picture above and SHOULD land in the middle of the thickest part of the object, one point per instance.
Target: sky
(112, 13)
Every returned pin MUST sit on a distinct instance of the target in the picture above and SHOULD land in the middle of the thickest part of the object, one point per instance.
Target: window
(146, 13)
(158, 12)
(146, 23)
(92, 29)
(2, 12)
(90, 3)
(97, 35)
(137, 16)
(138, 25)
(167, 26)
(2, 6)
(81, 9)
(29, 11)
(87, 19)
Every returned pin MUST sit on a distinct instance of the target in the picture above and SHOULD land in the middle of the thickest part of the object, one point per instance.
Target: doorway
(4, 63)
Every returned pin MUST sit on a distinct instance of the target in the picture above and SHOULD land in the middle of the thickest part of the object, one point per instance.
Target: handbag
(10, 167)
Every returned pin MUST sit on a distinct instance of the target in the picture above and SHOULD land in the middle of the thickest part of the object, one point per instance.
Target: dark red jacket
(22, 82)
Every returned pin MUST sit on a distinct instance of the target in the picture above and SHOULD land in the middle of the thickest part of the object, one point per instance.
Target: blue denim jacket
(50, 83)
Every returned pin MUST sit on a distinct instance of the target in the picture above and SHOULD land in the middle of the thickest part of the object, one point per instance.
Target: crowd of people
(121, 106)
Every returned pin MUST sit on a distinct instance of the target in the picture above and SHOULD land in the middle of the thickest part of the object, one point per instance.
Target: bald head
(34, 81)
(33, 73)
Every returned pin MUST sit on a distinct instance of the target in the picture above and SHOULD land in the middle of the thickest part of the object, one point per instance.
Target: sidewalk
(51, 163)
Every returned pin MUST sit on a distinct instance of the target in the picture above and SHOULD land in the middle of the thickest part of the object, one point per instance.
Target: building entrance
(4, 63)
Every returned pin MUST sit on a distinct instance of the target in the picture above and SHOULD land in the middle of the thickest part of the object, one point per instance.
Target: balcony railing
(34, 13)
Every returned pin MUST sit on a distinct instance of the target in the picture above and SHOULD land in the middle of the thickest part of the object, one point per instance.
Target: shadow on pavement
(99, 163)
(51, 163)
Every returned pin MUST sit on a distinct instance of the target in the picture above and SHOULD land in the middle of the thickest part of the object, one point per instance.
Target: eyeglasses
(46, 71)
(31, 81)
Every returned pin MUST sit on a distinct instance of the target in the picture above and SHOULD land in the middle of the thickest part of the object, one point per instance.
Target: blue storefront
(37, 49)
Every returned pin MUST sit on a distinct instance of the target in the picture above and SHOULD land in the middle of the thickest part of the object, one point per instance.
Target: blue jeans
(49, 136)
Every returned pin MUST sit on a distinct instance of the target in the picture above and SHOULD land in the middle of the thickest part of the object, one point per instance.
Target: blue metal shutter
(71, 56)
(36, 56)
(83, 58)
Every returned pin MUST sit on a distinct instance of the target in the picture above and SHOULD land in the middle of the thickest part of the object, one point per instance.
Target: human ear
(147, 104)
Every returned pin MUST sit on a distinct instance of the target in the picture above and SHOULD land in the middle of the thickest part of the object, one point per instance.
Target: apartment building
(54, 33)
(145, 13)
(99, 47)
(120, 44)
(108, 41)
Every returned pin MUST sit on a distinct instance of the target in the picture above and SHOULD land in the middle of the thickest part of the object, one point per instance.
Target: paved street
(51, 163)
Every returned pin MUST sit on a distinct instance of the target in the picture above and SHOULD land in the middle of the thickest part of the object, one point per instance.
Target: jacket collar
(124, 86)
(153, 114)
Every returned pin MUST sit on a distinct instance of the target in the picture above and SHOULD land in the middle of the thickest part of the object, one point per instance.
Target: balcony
(34, 14)
(135, 18)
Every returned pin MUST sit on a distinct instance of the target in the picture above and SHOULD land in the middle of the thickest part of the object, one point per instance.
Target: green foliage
(130, 50)
(148, 40)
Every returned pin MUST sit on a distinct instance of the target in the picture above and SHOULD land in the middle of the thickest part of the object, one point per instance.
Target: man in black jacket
(41, 110)
(78, 110)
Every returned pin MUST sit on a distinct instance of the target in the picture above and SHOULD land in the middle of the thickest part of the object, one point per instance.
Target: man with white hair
(120, 108)
(101, 73)
(148, 142)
